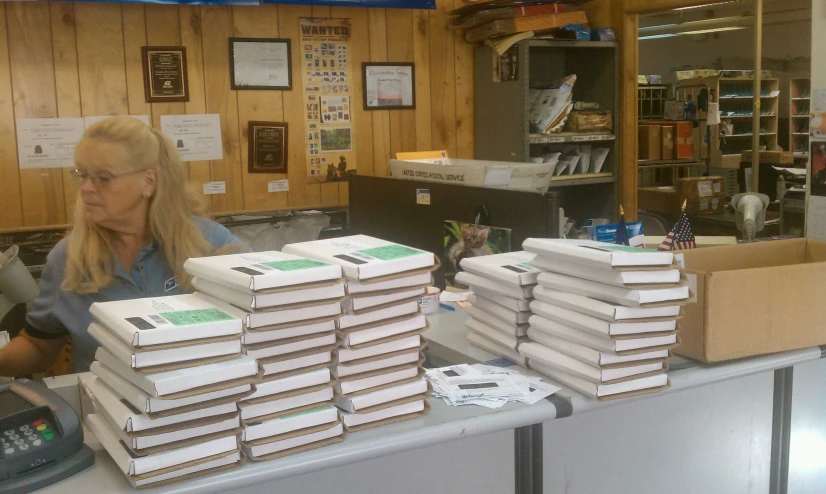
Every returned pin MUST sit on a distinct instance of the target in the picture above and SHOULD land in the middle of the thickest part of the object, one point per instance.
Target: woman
(135, 223)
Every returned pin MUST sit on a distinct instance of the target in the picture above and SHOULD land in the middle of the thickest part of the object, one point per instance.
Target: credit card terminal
(41, 438)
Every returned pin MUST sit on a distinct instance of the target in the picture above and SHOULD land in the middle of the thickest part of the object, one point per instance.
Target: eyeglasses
(101, 179)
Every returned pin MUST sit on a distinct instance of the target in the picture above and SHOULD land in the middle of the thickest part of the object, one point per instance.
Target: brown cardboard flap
(183, 344)
(200, 406)
(286, 394)
(391, 420)
(182, 444)
(292, 434)
(184, 425)
(393, 384)
(302, 305)
(188, 464)
(400, 401)
(302, 353)
(378, 372)
(213, 387)
(383, 356)
(639, 392)
(383, 322)
(404, 274)
(302, 286)
(312, 406)
(626, 353)
(301, 449)
(386, 339)
(185, 365)
(293, 372)
(644, 335)
(287, 341)
(388, 305)
(391, 291)
(194, 475)
(418, 363)
(638, 376)
(289, 325)
(622, 365)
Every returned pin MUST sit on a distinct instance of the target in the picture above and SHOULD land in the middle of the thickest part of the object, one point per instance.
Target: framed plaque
(164, 74)
(260, 63)
(389, 85)
(267, 147)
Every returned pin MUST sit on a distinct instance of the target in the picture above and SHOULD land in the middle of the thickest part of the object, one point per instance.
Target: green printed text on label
(197, 316)
(295, 265)
(391, 252)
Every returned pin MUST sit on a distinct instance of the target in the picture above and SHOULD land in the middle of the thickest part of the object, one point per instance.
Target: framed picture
(267, 147)
(164, 74)
(260, 63)
(389, 85)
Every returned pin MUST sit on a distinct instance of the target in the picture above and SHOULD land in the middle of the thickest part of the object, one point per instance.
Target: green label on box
(295, 265)
(391, 252)
(197, 316)
(528, 265)
(617, 248)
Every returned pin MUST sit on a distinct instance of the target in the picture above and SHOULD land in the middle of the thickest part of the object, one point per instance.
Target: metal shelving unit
(501, 114)
(799, 94)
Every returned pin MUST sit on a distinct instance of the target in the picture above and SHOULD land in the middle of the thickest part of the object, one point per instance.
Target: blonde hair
(173, 207)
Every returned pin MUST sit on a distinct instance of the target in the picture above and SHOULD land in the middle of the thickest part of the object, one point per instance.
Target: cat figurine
(474, 243)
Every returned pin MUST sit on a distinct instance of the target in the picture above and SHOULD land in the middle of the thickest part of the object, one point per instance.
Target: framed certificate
(389, 86)
(267, 147)
(164, 74)
(260, 63)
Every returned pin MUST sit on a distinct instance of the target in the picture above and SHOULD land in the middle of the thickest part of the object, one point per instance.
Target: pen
(445, 306)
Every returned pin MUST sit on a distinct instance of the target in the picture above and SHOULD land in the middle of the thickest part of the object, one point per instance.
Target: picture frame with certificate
(165, 78)
(260, 64)
(389, 85)
(267, 147)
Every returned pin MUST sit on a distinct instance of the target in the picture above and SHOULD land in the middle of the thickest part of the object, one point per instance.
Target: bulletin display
(327, 80)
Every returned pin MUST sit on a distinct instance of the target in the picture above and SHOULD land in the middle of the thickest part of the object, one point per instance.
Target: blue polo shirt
(55, 312)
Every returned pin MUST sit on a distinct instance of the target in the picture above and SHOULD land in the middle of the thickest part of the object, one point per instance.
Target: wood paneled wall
(62, 59)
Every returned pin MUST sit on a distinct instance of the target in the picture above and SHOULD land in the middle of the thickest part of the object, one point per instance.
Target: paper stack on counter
(502, 286)
(378, 368)
(487, 386)
(604, 316)
(168, 376)
(288, 306)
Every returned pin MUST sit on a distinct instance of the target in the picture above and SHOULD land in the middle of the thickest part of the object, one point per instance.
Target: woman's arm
(26, 355)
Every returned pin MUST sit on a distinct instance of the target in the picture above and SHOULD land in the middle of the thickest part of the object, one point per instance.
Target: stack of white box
(168, 376)
(289, 306)
(605, 316)
(503, 286)
(379, 371)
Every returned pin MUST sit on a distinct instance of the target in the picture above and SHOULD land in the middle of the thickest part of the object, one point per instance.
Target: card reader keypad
(25, 437)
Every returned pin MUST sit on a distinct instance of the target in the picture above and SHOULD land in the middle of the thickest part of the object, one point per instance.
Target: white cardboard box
(591, 356)
(290, 316)
(256, 451)
(181, 457)
(617, 346)
(417, 280)
(601, 327)
(507, 315)
(408, 343)
(478, 173)
(614, 294)
(558, 360)
(358, 419)
(512, 268)
(290, 383)
(191, 381)
(166, 441)
(353, 321)
(261, 270)
(252, 410)
(141, 358)
(602, 310)
(291, 362)
(595, 253)
(290, 423)
(397, 358)
(299, 344)
(627, 279)
(356, 304)
(476, 326)
(157, 320)
(354, 404)
(512, 291)
(495, 348)
(644, 385)
(513, 304)
(364, 257)
(414, 323)
(515, 330)
(386, 376)
(265, 299)
(145, 403)
(255, 337)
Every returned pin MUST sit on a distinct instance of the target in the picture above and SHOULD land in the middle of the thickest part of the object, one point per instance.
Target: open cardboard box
(754, 299)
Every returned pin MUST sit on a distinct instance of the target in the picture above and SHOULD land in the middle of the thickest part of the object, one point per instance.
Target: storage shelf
(800, 116)
(562, 43)
(569, 137)
(800, 133)
(582, 179)
(749, 135)
(747, 97)
(748, 116)
(801, 99)
(684, 161)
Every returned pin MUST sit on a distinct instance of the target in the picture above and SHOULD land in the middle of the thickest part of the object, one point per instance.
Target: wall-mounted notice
(327, 79)
(196, 137)
(215, 188)
(48, 142)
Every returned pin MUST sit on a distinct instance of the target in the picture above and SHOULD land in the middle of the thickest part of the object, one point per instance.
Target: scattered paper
(48, 142)
(486, 385)
(196, 137)
(278, 186)
(454, 296)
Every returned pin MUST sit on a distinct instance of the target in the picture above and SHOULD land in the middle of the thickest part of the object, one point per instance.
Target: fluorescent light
(657, 36)
(705, 5)
(715, 30)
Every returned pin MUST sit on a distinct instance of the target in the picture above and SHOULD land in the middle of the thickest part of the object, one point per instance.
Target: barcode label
(160, 321)
(262, 267)
(363, 257)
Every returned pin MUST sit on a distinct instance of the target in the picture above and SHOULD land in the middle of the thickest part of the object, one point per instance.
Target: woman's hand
(24, 355)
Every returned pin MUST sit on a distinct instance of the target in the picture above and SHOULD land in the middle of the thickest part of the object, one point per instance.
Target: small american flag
(680, 237)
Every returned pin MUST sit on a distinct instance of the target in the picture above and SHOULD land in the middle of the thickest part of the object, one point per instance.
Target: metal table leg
(781, 430)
